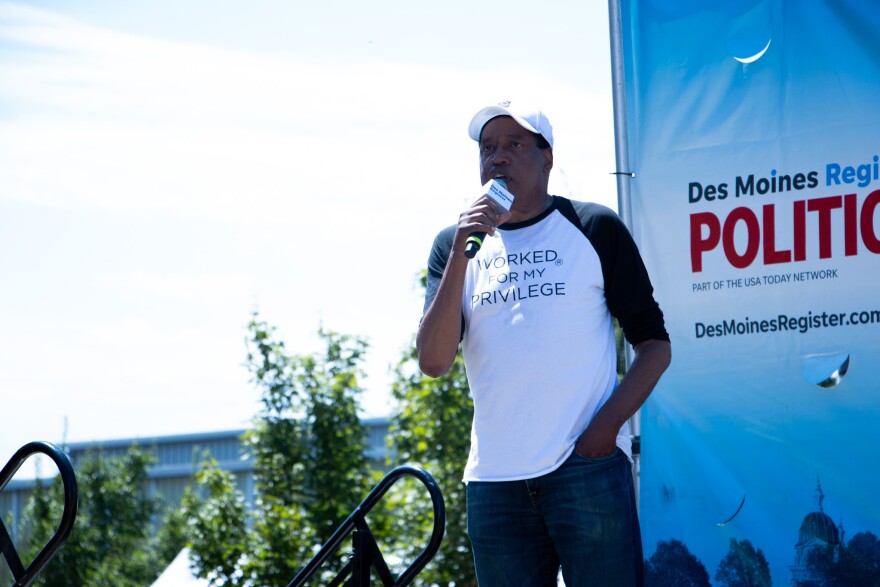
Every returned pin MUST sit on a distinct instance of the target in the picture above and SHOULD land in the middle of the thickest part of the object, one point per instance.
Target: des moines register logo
(812, 223)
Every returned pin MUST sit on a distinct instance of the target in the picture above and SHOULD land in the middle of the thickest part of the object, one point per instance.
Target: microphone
(497, 190)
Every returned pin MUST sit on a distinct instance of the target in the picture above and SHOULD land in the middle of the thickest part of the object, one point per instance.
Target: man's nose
(500, 157)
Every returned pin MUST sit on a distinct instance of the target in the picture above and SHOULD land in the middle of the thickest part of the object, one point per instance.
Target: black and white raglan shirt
(537, 333)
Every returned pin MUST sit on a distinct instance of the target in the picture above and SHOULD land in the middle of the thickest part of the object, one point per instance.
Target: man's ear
(548, 159)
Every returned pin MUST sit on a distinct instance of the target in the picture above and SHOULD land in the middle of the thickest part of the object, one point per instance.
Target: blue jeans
(581, 516)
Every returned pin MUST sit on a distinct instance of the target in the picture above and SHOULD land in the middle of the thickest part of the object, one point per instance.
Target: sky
(169, 168)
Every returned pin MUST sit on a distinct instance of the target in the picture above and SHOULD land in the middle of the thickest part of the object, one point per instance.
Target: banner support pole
(621, 145)
(623, 175)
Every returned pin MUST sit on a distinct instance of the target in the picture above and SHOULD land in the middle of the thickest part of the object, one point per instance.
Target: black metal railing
(25, 575)
(365, 551)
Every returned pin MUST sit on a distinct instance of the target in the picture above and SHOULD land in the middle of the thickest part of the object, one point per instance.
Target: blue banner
(754, 134)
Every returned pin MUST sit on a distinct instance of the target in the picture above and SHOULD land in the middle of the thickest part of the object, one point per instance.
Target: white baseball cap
(530, 119)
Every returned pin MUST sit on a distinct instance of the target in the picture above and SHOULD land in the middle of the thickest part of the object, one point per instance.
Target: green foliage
(743, 566)
(171, 536)
(217, 527)
(336, 463)
(432, 429)
(111, 541)
(310, 468)
(673, 564)
(310, 473)
(280, 536)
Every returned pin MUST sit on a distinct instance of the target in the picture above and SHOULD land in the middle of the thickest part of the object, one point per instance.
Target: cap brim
(486, 114)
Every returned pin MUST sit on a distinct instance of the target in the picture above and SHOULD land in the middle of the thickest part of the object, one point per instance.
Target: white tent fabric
(178, 574)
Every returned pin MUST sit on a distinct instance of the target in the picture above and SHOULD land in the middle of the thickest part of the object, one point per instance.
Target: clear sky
(167, 168)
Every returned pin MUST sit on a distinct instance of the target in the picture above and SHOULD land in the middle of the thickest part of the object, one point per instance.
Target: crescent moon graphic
(756, 56)
(741, 504)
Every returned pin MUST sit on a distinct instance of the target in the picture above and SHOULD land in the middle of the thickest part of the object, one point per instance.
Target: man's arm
(440, 328)
(651, 358)
(629, 295)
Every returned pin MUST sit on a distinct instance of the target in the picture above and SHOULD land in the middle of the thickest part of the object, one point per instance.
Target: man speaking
(549, 477)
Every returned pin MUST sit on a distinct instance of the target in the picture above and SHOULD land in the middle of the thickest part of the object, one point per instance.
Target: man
(549, 476)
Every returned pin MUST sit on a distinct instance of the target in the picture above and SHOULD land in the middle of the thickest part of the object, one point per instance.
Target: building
(817, 530)
(177, 459)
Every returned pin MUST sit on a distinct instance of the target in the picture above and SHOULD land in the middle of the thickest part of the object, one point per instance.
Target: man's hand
(595, 442)
(440, 328)
(651, 358)
(484, 215)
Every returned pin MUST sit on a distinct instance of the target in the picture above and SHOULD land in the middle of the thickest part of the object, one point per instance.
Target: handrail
(363, 540)
(24, 576)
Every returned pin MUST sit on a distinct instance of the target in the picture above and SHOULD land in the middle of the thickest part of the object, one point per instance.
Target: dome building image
(818, 530)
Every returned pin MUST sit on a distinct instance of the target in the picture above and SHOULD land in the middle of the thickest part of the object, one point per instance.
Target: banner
(754, 136)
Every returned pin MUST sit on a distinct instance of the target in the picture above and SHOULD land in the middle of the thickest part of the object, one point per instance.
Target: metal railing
(365, 553)
(25, 575)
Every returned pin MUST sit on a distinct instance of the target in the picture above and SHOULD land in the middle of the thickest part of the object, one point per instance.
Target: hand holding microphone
(496, 189)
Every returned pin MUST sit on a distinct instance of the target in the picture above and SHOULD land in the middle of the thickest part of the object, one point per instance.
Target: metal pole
(623, 173)
(621, 151)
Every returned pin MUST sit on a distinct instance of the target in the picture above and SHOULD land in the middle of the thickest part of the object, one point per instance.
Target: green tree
(432, 428)
(673, 564)
(336, 476)
(310, 468)
(217, 527)
(111, 541)
(743, 566)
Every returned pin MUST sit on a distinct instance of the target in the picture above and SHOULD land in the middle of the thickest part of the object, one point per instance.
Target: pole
(624, 175)
(621, 151)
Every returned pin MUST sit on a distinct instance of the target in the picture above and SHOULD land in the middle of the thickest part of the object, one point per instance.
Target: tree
(432, 428)
(217, 527)
(860, 561)
(855, 565)
(743, 566)
(111, 540)
(172, 535)
(822, 567)
(310, 468)
(672, 564)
